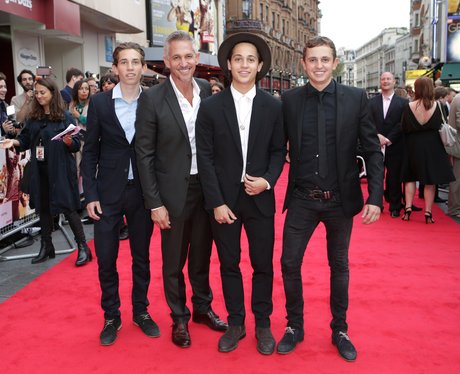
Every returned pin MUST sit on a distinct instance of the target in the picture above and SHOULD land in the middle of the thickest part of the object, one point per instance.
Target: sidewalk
(15, 274)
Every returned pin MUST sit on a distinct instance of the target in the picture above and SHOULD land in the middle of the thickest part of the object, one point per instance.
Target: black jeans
(301, 221)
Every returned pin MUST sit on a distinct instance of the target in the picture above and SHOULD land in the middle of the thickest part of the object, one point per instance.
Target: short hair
(24, 71)
(57, 107)
(2, 76)
(318, 41)
(125, 46)
(76, 87)
(73, 72)
(109, 77)
(219, 85)
(450, 90)
(440, 92)
(399, 91)
(178, 36)
(424, 91)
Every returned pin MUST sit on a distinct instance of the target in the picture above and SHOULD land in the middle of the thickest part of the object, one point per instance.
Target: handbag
(447, 133)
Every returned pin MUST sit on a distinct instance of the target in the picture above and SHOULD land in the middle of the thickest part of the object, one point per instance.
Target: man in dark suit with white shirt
(112, 190)
(241, 152)
(166, 155)
(386, 111)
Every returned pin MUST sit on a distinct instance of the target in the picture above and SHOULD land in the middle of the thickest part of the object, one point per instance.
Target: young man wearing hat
(240, 154)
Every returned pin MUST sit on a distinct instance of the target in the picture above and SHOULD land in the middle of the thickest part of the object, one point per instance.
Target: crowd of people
(200, 161)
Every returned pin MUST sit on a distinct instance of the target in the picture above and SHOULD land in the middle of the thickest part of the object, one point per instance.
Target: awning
(450, 73)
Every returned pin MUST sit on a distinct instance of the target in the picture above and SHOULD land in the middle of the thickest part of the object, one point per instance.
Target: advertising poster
(14, 204)
(197, 17)
(453, 39)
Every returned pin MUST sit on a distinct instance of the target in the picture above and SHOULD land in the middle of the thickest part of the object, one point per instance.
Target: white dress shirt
(189, 112)
(243, 106)
(386, 103)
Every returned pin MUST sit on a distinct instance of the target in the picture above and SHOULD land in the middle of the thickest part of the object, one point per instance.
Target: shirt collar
(384, 97)
(237, 95)
(117, 94)
(196, 88)
(330, 88)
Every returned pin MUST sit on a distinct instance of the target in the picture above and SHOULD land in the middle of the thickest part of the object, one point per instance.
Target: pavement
(17, 273)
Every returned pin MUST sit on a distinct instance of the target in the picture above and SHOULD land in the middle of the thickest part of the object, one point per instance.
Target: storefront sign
(24, 3)
(28, 57)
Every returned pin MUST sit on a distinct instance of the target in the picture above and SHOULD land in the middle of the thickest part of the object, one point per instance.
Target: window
(266, 14)
(247, 9)
(261, 12)
(273, 20)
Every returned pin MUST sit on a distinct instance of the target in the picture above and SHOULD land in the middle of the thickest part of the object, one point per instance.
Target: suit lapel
(171, 100)
(256, 120)
(300, 119)
(340, 105)
(379, 102)
(231, 119)
(111, 105)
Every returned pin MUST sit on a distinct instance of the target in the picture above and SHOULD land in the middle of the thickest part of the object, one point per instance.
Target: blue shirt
(126, 113)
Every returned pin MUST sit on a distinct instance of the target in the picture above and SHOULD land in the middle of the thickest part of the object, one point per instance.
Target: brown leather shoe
(229, 341)
(265, 340)
(180, 334)
(210, 319)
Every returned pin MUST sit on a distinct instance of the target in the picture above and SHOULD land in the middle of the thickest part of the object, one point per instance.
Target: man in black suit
(241, 153)
(386, 111)
(166, 156)
(112, 189)
(324, 121)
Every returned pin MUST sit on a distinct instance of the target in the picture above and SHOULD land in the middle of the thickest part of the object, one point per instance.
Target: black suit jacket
(220, 157)
(106, 153)
(352, 123)
(390, 126)
(164, 155)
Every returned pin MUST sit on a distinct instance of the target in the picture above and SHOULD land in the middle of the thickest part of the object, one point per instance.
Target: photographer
(22, 102)
(10, 128)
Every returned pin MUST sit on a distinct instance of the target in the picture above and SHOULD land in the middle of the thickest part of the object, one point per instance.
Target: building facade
(64, 34)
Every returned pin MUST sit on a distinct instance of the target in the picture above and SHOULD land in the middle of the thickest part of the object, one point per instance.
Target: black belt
(314, 194)
(194, 177)
(130, 182)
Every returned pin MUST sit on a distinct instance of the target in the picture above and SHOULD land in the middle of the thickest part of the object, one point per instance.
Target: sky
(353, 23)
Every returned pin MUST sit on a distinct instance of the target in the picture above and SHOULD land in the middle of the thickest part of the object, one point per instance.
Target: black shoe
(407, 213)
(147, 325)
(109, 332)
(344, 345)
(46, 251)
(229, 341)
(84, 254)
(416, 208)
(210, 319)
(124, 233)
(395, 213)
(265, 340)
(289, 341)
(180, 335)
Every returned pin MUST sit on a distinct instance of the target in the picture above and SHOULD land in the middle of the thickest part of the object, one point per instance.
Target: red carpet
(404, 305)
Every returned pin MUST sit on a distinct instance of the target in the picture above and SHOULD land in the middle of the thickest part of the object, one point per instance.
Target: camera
(43, 71)
(10, 112)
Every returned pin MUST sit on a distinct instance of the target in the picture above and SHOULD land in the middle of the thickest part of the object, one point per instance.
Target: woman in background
(53, 182)
(108, 82)
(425, 158)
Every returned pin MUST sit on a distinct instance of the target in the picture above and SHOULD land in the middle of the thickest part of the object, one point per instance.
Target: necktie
(322, 151)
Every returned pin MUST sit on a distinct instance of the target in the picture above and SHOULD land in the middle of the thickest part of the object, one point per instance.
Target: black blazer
(106, 152)
(390, 126)
(353, 123)
(220, 158)
(164, 155)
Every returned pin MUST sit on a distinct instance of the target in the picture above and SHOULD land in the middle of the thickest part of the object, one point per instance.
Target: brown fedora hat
(244, 37)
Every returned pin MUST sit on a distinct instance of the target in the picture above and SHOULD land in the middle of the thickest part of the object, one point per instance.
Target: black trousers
(45, 216)
(188, 239)
(393, 184)
(106, 240)
(260, 232)
(302, 218)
